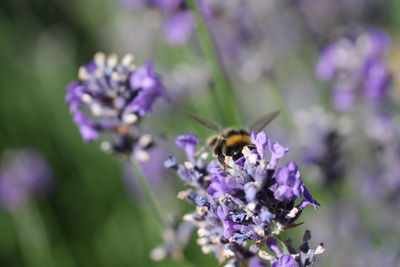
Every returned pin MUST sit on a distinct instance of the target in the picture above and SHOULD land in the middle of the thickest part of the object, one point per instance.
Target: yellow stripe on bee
(238, 138)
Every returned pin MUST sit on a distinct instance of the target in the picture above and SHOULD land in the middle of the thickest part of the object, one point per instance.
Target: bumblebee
(230, 142)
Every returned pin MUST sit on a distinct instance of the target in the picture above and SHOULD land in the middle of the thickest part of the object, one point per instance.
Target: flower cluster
(382, 177)
(23, 173)
(178, 19)
(356, 64)
(113, 96)
(325, 154)
(243, 204)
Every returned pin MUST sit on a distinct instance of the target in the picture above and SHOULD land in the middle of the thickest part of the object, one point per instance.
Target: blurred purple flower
(381, 179)
(153, 169)
(113, 96)
(320, 136)
(179, 27)
(356, 65)
(23, 173)
(168, 5)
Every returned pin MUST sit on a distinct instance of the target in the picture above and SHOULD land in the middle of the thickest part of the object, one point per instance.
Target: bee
(230, 142)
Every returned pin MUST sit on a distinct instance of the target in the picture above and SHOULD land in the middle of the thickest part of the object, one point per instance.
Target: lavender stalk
(24, 175)
(223, 93)
(148, 194)
(112, 97)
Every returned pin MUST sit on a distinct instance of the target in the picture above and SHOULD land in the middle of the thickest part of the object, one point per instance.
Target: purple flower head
(242, 202)
(113, 96)
(23, 174)
(356, 66)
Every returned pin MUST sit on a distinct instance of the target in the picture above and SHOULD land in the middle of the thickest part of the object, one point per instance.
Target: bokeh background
(92, 213)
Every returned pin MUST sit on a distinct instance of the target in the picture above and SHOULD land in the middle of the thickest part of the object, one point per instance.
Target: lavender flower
(240, 206)
(302, 257)
(23, 173)
(176, 239)
(178, 19)
(356, 65)
(381, 178)
(321, 137)
(112, 97)
(178, 27)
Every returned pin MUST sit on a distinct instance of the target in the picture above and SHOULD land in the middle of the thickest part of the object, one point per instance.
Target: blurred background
(86, 211)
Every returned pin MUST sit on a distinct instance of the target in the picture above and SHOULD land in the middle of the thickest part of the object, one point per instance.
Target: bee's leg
(221, 160)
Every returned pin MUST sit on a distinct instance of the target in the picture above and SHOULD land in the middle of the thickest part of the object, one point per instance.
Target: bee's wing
(209, 124)
(264, 121)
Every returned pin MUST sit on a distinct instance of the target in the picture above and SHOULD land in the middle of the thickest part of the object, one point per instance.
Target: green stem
(149, 196)
(32, 235)
(222, 91)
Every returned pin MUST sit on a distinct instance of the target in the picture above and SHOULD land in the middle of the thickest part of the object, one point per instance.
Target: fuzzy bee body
(230, 142)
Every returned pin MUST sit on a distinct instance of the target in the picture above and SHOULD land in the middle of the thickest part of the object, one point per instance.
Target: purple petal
(179, 28)
(188, 142)
(285, 260)
(261, 141)
(277, 152)
(273, 246)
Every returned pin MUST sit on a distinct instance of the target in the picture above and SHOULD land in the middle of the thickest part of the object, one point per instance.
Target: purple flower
(179, 27)
(23, 174)
(151, 86)
(273, 246)
(261, 141)
(168, 5)
(243, 202)
(356, 66)
(289, 183)
(320, 136)
(177, 19)
(377, 81)
(114, 96)
(176, 238)
(285, 260)
(308, 199)
(153, 169)
(303, 257)
(256, 262)
(188, 142)
(277, 152)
